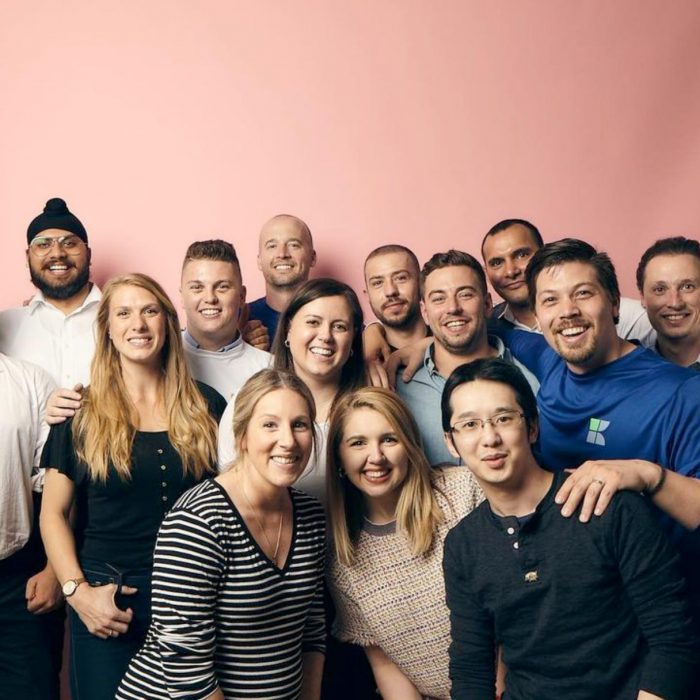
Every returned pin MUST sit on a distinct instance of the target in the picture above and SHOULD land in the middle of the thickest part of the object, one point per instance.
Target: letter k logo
(596, 427)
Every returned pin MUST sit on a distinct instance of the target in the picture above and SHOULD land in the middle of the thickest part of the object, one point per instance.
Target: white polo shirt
(24, 389)
(62, 344)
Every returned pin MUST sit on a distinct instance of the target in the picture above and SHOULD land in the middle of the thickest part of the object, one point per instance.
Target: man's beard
(404, 323)
(62, 291)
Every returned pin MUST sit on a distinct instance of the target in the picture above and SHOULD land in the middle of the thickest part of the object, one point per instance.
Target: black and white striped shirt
(223, 614)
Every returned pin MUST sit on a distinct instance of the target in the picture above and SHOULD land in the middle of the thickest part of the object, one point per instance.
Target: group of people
(180, 489)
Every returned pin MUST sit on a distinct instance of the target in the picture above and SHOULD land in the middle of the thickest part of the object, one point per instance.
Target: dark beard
(404, 324)
(61, 292)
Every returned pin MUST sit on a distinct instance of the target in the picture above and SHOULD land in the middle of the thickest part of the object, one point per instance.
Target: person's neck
(610, 351)
(278, 298)
(400, 337)
(324, 394)
(446, 361)
(214, 343)
(519, 498)
(680, 351)
(523, 313)
(144, 384)
(381, 511)
(68, 306)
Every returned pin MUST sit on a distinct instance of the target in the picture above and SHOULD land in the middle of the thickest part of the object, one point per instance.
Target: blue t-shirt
(260, 311)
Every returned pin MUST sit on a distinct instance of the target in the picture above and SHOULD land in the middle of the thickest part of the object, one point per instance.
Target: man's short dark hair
(491, 369)
(452, 258)
(214, 249)
(573, 250)
(507, 223)
(677, 245)
(394, 248)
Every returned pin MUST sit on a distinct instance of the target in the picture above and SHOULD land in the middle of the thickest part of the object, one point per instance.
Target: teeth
(58, 267)
(283, 266)
(577, 330)
(210, 312)
(278, 459)
(324, 352)
(455, 324)
(376, 474)
(139, 341)
(675, 317)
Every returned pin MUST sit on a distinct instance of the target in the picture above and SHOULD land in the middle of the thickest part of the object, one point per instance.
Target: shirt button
(160, 451)
(164, 484)
(162, 467)
(516, 545)
(511, 530)
(165, 498)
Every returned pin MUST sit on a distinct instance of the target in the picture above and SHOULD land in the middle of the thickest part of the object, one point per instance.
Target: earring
(286, 343)
(350, 352)
(341, 472)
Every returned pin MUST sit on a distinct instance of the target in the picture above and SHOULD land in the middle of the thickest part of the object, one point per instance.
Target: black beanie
(56, 215)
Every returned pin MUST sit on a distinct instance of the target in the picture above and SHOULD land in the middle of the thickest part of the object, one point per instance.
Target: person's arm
(650, 573)
(313, 674)
(410, 357)
(63, 403)
(376, 351)
(473, 647)
(188, 564)
(95, 606)
(643, 695)
(256, 334)
(391, 681)
(595, 482)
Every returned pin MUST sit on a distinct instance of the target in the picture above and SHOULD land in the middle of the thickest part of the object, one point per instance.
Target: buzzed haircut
(214, 249)
(569, 250)
(302, 224)
(394, 248)
(677, 245)
(452, 258)
(507, 223)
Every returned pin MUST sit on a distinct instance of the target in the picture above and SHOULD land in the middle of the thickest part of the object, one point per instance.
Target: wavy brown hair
(417, 511)
(105, 426)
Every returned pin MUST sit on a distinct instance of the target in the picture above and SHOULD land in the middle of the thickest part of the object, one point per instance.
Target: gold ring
(599, 481)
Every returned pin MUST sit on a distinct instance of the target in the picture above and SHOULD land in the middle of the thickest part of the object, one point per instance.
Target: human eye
(340, 327)
(688, 287)
(294, 245)
(504, 419)
(522, 254)
(438, 299)
(465, 294)
(467, 426)
(376, 283)
(357, 442)
(390, 439)
(401, 278)
(495, 262)
(152, 311)
(41, 243)
(583, 293)
(70, 243)
(223, 287)
(312, 322)
(269, 425)
(548, 300)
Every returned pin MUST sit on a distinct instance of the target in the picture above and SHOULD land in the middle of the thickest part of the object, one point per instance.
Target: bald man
(285, 256)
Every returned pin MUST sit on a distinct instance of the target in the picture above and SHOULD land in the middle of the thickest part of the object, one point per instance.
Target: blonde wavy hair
(105, 426)
(417, 511)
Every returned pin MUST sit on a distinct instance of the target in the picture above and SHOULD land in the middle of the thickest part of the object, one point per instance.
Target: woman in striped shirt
(237, 580)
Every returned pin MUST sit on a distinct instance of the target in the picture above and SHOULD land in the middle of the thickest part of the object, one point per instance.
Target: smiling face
(278, 440)
(285, 253)
(212, 296)
(576, 315)
(671, 295)
(455, 307)
(373, 458)
(137, 326)
(392, 289)
(320, 339)
(496, 455)
(506, 255)
(59, 275)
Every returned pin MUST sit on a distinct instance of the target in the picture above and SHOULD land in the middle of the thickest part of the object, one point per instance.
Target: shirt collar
(429, 363)
(507, 315)
(193, 343)
(93, 297)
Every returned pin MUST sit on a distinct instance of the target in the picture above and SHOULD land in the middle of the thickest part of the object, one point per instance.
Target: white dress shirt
(24, 389)
(62, 344)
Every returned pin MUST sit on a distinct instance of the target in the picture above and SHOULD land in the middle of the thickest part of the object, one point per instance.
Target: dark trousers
(30, 645)
(97, 665)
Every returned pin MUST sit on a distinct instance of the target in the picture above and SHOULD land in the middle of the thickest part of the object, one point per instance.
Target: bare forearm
(391, 681)
(644, 695)
(59, 543)
(313, 673)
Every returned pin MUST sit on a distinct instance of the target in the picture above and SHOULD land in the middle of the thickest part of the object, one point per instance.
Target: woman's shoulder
(307, 507)
(215, 401)
(201, 500)
(456, 487)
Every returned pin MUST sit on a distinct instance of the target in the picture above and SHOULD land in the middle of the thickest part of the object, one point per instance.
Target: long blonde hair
(105, 426)
(417, 511)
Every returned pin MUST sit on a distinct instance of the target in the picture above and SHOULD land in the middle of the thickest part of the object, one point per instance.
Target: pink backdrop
(167, 121)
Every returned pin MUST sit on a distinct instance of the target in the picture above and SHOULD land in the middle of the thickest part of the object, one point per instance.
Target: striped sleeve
(188, 565)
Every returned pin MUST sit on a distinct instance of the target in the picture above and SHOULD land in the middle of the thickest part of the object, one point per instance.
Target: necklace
(262, 529)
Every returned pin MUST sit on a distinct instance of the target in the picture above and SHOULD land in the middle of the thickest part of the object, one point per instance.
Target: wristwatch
(71, 586)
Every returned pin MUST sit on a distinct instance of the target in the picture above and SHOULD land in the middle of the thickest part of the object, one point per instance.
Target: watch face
(69, 588)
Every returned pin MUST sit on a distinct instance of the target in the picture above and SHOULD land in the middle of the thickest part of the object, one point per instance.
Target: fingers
(377, 374)
(62, 404)
(30, 588)
(128, 590)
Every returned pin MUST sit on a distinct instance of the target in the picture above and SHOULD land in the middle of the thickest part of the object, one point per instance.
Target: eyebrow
(470, 287)
(388, 274)
(573, 289)
(500, 409)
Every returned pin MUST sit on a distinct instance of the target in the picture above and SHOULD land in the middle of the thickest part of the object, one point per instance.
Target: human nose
(675, 299)
(489, 435)
(568, 307)
(286, 437)
(390, 288)
(511, 270)
(210, 295)
(376, 454)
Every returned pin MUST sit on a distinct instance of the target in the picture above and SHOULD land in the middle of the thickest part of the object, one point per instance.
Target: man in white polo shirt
(55, 329)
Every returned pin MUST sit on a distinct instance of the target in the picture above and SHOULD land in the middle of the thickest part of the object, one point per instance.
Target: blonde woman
(237, 580)
(145, 433)
(389, 513)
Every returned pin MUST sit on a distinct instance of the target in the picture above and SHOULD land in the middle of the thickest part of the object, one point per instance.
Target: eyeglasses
(499, 421)
(41, 246)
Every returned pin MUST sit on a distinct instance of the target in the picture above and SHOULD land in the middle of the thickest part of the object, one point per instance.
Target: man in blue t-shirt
(619, 414)
(285, 256)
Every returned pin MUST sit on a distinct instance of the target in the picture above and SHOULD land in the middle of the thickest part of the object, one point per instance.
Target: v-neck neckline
(292, 545)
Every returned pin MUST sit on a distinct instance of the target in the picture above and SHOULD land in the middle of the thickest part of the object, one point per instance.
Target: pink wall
(167, 121)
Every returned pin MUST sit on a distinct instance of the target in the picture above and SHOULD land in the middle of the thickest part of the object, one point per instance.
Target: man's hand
(596, 482)
(410, 357)
(43, 592)
(63, 403)
(255, 334)
(99, 612)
